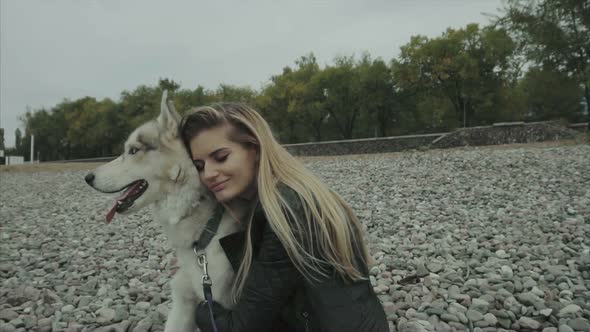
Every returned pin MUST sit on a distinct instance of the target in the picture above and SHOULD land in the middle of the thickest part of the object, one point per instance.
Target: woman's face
(227, 168)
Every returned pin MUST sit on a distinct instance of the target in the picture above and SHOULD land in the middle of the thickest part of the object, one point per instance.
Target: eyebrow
(214, 152)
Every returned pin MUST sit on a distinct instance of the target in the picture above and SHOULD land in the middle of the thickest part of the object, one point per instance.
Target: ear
(168, 119)
(177, 174)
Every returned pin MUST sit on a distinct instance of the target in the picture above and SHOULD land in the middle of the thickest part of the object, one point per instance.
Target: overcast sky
(56, 49)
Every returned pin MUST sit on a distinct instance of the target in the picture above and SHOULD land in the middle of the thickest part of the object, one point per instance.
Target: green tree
(376, 96)
(232, 93)
(467, 66)
(553, 34)
(140, 105)
(274, 104)
(306, 102)
(342, 87)
(185, 99)
(551, 95)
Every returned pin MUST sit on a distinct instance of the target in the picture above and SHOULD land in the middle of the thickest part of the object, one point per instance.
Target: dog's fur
(180, 204)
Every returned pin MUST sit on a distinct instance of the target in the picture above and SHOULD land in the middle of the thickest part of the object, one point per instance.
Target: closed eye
(222, 158)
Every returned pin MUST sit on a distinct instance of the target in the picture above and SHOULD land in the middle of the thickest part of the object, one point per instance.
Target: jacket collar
(234, 244)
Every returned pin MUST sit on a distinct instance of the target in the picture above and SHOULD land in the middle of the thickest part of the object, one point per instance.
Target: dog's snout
(89, 178)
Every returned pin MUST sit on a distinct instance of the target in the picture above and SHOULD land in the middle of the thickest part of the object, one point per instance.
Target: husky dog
(155, 170)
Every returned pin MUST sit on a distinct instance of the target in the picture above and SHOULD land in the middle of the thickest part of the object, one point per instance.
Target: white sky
(56, 49)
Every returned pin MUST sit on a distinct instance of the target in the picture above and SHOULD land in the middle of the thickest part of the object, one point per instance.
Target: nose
(209, 173)
(89, 178)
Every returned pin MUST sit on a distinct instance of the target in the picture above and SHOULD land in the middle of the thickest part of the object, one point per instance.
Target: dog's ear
(168, 118)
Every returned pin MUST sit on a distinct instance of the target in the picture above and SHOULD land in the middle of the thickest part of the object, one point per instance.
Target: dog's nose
(89, 178)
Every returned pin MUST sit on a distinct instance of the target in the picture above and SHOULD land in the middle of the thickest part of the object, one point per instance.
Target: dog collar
(210, 229)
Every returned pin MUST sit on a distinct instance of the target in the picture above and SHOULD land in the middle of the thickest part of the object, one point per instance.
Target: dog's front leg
(184, 305)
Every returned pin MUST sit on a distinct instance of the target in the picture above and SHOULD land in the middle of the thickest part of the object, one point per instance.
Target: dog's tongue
(113, 210)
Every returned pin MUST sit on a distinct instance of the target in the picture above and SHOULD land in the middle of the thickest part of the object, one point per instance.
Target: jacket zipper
(305, 316)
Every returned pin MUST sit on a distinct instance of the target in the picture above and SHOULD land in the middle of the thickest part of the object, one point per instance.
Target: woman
(302, 264)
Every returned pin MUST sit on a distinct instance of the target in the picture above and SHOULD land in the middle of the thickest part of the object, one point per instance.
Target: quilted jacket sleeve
(270, 283)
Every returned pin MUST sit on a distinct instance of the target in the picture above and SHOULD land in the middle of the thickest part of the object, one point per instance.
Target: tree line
(531, 63)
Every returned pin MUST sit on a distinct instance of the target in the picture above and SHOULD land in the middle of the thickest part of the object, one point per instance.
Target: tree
(232, 93)
(307, 100)
(551, 95)
(342, 87)
(376, 93)
(553, 34)
(140, 105)
(467, 66)
(185, 99)
(1, 138)
(274, 104)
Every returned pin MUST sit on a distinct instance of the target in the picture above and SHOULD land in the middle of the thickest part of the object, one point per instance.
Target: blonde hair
(330, 224)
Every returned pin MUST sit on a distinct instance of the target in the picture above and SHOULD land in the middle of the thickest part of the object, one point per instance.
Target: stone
(502, 254)
(529, 323)
(410, 313)
(579, 324)
(441, 326)
(421, 270)
(105, 315)
(546, 312)
(434, 267)
(433, 311)
(474, 315)
(67, 308)
(8, 314)
(44, 322)
(490, 319)
(479, 305)
(84, 301)
(506, 272)
(7, 327)
(531, 299)
(449, 318)
(145, 305)
(375, 271)
(569, 311)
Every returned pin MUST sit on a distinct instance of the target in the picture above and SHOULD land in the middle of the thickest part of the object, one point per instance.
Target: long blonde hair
(329, 220)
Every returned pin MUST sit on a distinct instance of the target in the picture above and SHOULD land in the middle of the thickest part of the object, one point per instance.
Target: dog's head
(154, 164)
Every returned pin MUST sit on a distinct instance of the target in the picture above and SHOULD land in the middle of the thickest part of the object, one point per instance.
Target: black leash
(206, 282)
(202, 243)
(210, 229)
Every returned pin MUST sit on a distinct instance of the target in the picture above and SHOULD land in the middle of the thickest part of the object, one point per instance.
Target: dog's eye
(133, 150)
(222, 158)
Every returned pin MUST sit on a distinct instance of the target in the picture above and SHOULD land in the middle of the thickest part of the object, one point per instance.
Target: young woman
(301, 264)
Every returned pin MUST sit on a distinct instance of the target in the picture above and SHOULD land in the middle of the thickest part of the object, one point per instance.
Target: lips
(218, 186)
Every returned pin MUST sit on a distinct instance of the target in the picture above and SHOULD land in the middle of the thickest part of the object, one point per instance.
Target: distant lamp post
(32, 148)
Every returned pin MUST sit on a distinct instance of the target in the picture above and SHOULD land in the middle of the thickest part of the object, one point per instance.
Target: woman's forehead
(210, 140)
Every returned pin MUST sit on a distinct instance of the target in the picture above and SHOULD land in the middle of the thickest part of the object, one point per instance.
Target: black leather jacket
(276, 296)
